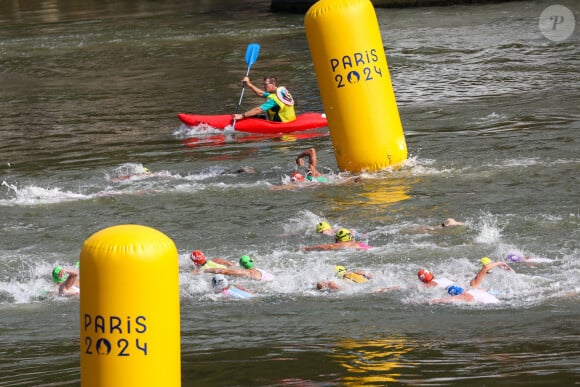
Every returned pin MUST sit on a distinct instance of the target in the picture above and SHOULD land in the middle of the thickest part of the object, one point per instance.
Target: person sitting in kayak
(279, 105)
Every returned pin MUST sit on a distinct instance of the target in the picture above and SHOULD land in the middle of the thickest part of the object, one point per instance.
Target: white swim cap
(219, 282)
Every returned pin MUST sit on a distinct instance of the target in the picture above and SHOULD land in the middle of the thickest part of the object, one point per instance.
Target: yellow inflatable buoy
(129, 306)
(355, 85)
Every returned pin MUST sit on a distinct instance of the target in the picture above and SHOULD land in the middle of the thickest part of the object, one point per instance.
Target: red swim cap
(296, 176)
(425, 276)
(198, 258)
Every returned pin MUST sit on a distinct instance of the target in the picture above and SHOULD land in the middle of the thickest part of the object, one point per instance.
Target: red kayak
(302, 122)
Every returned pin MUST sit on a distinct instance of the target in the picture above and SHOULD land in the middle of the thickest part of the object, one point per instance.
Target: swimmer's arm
(222, 261)
(69, 282)
(381, 290)
(310, 153)
(503, 265)
(329, 246)
(244, 289)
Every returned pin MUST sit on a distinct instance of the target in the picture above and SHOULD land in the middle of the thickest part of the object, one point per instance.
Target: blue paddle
(251, 56)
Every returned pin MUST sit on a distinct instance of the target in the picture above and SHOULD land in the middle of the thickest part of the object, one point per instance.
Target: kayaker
(279, 105)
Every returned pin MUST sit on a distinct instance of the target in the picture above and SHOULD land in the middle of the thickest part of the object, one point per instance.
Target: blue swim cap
(454, 290)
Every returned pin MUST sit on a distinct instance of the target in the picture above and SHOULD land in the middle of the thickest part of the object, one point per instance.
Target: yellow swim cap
(485, 261)
(322, 226)
(340, 271)
(343, 235)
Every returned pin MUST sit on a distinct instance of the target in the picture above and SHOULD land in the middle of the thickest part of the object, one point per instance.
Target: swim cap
(485, 261)
(454, 290)
(322, 226)
(296, 176)
(340, 271)
(514, 257)
(343, 235)
(198, 258)
(425, 275)
(246, 262)
(57, 276)
(219, 282)
(78, 264)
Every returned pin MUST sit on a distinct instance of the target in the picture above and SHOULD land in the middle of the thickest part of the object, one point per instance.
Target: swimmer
(475, 293)
(429, 280)
(201, 263)
(325, 228)
(144, 173)
(248, 270)
(246, 169)
(517, 258)
(343, 239)
(220, 285)
(450, 222)
(357, 277)
(68, 282)
(313, 173)
(486, 269)
(446, 224)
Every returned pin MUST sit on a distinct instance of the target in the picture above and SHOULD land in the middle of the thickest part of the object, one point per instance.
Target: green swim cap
(56, 276)
(485, 261)
(343, 235)
(78, 264)
(246, 262)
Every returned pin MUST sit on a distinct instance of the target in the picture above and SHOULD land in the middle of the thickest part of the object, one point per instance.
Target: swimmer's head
(485, 261)
(454, 290)
(296, 176)
(59, 275)
(246, 262)
(78, 264)
(340, 271)
(343, 235)
(513, 257)
(198, 258)
(450, 222)
(425, 276)
(322, 227)
(219, 282)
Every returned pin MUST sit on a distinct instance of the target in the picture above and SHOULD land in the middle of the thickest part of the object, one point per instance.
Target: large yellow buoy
(355, 85)
(129, 306)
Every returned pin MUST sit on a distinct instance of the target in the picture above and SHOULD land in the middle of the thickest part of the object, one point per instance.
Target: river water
(90, 92)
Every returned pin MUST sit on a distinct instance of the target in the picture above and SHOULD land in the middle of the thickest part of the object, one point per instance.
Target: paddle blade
(252, 53)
